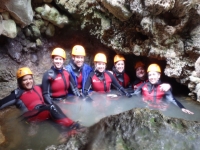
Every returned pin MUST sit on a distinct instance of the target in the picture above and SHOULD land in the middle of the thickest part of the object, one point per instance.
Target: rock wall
(163, 30)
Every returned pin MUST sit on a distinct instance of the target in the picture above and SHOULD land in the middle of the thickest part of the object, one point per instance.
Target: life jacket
(30, 100)
(153, 96)
(138, 83)
(125, 80)
(85, 71)
(122, 77)
(79, 80)
(101, 84)
(59, 83)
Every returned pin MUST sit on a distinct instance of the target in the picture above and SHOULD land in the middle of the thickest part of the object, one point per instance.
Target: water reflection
(88, 113)
(102, 105)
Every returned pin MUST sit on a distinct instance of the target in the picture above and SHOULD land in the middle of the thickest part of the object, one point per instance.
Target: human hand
(53, 108)
(165, 87)
(82, 96)
(187, 111)
(110, 71)
(128, 95)
(88, 99)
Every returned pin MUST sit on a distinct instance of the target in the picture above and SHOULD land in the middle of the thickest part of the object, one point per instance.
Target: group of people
(38, 102)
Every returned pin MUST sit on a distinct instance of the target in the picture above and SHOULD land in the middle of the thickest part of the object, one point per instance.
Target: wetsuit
(55, 84)
(121, 77)
(79, 75)
(101, 82)
(137, 83)
(155, 97)
(31, 103)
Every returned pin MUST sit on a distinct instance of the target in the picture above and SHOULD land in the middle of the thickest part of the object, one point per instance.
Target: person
(119, 71)
(78, 69)
(56, 81)
(141, 77)
(100, 80)
(28, 98)
(152, 93)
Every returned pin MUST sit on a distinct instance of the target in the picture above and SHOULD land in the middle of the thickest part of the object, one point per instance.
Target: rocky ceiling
(153, 30)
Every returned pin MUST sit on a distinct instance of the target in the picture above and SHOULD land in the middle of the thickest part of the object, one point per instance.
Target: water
(89, 113)
(17, 133)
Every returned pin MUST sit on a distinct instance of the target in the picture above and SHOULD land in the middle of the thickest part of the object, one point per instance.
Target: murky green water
(18, 133)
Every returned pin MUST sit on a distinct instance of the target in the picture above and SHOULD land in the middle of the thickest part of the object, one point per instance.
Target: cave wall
(167, 32)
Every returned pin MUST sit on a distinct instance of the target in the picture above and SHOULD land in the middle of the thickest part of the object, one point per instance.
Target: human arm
(8, 100)
(46, 87)
(169, 97)
(88, 84)
(165, 87)
(116, 84)
(187, 111)
(73, 86)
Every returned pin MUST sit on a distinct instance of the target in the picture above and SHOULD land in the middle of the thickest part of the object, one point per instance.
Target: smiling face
(120, 66)
(153, 77)
(27, 82)
(78, 60)
(100, 66)
(140, 73)
(58, 62)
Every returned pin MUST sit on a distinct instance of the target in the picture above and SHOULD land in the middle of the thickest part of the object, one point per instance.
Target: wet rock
(34, 58)
(14, 50)
(50, 31)
(52, 15)
(38, 42)
(76, 7)
(118, 9)
(163, 30)
(141, 129)
(20, 10)
(5, 15)
(9, 28)
(35, 32)
(159, 6)
(2, 137)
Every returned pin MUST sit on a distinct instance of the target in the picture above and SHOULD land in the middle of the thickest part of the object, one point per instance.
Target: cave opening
(177, 88)
(70, 37)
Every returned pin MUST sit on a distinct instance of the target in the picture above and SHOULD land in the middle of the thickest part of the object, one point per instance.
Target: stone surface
(140, 129)
(52, 15)
(20, 10)
(9, 28)
(167, 31)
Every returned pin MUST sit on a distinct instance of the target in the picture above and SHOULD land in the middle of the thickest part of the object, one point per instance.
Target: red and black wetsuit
(32, 100)
(122, 77)
(55, 84)
(155, 97)
(101, 82)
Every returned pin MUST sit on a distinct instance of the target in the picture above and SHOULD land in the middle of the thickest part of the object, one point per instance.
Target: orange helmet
(100, 57)
(58, 52)
(118, 58)
(154, 67)
(78, 50)
(139, 64)
(23, 71)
